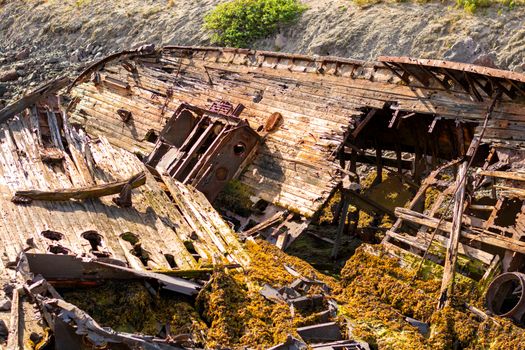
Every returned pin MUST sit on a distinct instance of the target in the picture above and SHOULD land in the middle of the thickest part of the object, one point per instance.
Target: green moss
(235, 197)
(128, 307)
(240, 22)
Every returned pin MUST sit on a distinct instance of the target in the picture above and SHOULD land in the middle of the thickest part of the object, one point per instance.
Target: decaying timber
(114, 179)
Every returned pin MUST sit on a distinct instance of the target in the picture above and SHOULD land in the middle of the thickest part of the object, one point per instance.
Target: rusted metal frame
(443, 83)
(202, 111)
(489, 90)
(409, 73)
(393, 70)
(365, 121)
(186, 142)
(503, 89)
(472, 87)
(452, 77)
(521, 91)
(196, 173)
(179, 168)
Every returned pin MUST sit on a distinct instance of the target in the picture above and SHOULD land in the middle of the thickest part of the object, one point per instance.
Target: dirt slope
(41, 39)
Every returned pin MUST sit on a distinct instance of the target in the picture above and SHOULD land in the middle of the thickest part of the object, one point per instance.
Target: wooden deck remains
(292, 129)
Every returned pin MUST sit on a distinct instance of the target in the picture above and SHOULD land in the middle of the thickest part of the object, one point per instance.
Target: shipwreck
(156, 169)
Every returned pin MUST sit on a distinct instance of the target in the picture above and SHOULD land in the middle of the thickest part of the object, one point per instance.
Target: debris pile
(149, 203)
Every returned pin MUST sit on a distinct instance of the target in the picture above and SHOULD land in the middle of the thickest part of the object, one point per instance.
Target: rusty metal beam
(455, 66)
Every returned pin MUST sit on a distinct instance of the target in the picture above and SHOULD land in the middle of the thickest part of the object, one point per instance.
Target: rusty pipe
(506, 295)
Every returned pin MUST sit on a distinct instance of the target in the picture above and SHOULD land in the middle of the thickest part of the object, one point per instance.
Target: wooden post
(447, 283)
(342, 220)
(379, 165)
(399, 160)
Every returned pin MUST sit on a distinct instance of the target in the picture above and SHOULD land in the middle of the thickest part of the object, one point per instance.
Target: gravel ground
(40, 40)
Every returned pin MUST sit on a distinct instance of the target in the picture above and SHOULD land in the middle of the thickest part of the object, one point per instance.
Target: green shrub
(472, 5)
(240, 22)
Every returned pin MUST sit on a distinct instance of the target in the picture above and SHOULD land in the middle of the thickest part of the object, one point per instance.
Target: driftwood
(80, 193)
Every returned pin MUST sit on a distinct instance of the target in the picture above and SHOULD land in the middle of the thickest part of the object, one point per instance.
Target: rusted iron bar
(141, 51)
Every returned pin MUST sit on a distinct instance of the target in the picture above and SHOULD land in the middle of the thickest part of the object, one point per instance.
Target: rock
(20, 72)
(469, 51)
(22, 55)
(463, 51)
(280, 42)
(4, 331)
(8, 75)
(53, 60)
(487, 60)
(8, 289)
(5, 304)
(76, 56)
(423, 327)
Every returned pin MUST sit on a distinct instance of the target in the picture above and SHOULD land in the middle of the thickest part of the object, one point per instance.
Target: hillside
(40, 40)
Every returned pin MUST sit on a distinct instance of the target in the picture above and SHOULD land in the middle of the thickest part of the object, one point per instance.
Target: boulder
(23, 54)
(8, 75)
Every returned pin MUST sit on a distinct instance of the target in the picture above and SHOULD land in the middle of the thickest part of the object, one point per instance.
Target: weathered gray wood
(275, 219)
(82, 193)
(453, 242)
(28, 100)
(483, 236)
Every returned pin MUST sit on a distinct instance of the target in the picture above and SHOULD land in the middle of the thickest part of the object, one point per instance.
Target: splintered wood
(65, 204)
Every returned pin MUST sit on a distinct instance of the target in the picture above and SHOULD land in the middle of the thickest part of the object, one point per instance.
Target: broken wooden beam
(482, 236)
(80, 193)
(364, 123)
(453, 242)
(372, 203)
(275, 219)
(510, 175)
(389, 162)
(31, 98)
